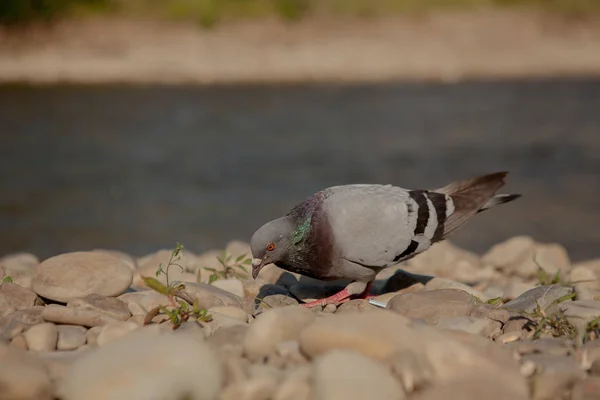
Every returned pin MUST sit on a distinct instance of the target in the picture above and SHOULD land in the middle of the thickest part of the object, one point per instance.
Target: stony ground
(520, 322)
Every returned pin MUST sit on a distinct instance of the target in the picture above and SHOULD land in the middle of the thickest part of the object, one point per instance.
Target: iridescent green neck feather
(302, 230)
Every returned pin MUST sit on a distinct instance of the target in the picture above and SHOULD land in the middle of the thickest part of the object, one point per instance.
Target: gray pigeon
(354, 231)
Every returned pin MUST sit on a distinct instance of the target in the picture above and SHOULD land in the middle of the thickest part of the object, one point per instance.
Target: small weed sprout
(7, 279)
(232, 268)
(556, 324)
(178, 311)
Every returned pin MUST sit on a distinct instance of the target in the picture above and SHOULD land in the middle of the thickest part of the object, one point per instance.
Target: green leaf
(212, 278)
(495, 301)
(566, 297)
(211, 269)
(542, 276)
(156, 285)
(242, 268)
(240, 258)
(247, 261)
(7, 279)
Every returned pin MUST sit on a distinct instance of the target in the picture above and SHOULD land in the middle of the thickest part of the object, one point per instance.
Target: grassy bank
(211, 12)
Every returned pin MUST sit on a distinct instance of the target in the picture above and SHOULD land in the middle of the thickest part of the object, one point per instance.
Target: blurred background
(134, 124)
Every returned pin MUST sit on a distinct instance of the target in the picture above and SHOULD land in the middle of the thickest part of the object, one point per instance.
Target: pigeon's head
(270, 243)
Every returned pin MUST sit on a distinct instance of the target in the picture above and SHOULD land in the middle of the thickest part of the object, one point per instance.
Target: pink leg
(340, 297)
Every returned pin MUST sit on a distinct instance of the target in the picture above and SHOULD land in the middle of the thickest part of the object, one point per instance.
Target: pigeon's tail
(472, 196)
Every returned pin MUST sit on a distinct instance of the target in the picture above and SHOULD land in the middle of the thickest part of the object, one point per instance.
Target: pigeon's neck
(302, 230)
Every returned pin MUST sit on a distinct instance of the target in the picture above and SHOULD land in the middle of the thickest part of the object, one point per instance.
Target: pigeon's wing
(381, 225)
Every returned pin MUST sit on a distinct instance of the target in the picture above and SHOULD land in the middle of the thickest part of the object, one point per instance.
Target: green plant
(592, 330)
(230, 267)
(495, 301)
(7, 279)
(555, 324)
(177, 311)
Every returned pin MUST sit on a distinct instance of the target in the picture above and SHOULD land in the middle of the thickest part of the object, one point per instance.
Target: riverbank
(448, 46)
(519, 322)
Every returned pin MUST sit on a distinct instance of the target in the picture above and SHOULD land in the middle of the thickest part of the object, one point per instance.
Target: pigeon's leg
(354, 288)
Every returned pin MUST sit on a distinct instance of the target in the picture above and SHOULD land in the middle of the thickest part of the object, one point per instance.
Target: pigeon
(354, 231)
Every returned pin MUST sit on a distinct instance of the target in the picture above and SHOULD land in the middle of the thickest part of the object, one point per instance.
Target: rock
(233, 286)
(146, 299)
(5, 307)
(66, 276)
(207, 295)
(587, 389)
(237, 248)
(261, 388)
(585, 282)
(514, 289)
(14, 324)
(126, 258)
(578, 312)
(110, 306)
(252, 287)
(151, 365)
(58, 364)
(42, 337)
(384, 335)
(230, 311)
(114, 331)
(554, 375)
(19, 297)
(296, 385)
(441, 283)
(509, 337)
(516, 324)
(70, 337)
(551, 346)
(92, 335)
(275, 326)
(23, 376)
(220, 321)
(20, 267)
(276, 301)
(19, 342)
(445, 260)
(544, 295)
(290, 352)
(229, 340)
(431, 305)
(356, 305)
(75, 316)
(477, 326)
(395, 279)
(362, 378)
(272, 274)
(522, 256)
(471, 388)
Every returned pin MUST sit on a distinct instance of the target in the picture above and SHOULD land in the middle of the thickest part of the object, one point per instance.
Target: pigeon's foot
(341, 297)
(338, 298)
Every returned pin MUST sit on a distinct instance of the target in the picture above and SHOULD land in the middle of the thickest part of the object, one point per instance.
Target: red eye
(271, 246)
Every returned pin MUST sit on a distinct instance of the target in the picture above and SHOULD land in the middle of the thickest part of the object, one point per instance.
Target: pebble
(554, 375)
(74, 316)
(70, 337)
(146, 299)
(476, 326)
(151, 365)
(542, 295)
(147, 267)
(23, 376)
(344, 374)
(514, 289)
(13, 324)
(115, 330)
(233, 286)
(230, 311)
(91, 335)
(42, 337)
(587, 389)
(471, 388)
(18, 297)
(66, 276)
(19, 342)
(275, 301)
(207, 296)
(20, 267)
(5, 307)
(441, 283)
(110, 306)
(274, 326)
(353, 306)
(431, 305)
(229, 340)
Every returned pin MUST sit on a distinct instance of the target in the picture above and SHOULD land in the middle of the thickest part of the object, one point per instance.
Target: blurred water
(139, 168)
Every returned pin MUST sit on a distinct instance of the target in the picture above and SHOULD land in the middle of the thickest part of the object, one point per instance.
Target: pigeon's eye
(271, 246)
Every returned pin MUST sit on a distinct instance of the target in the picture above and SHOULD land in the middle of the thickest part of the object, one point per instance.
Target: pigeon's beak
(257, 264)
